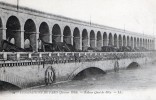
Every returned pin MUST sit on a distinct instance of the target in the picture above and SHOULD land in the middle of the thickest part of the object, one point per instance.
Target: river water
(141, 78)
(127, 84)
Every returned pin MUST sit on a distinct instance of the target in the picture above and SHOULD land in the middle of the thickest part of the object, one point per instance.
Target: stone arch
(110, 39)
(56, 33)
(99, 40)
(133, 65)
(132, 42)
(148, 44)
(135, 42)
(1, 33)
(80, 74)
(13, 30)
(92, 39)
(43, 35)
(115, 40)
(138, 42)
(30, 33)
(84, 40)
(124, 40)
(76, 40)
(153, 44)
(67, 35)
(9, 86)
(128, 43)
(105, 39)
(141, 42)
(44, 32)
(120, 41)
(144, 43)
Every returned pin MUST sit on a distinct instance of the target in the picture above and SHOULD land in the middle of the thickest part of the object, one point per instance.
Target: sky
(133, 15)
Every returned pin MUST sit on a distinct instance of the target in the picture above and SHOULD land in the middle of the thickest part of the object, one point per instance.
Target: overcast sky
(135, 15)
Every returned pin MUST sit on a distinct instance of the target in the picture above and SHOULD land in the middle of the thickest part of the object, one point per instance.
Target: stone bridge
(27, 73)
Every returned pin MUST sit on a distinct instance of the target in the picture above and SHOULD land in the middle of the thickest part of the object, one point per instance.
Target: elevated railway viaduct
(26, 27)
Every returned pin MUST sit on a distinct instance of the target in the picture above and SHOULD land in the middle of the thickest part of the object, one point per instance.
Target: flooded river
(141, 78)
(127, 84)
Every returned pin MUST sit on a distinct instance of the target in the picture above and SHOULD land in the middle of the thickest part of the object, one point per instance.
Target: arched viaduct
(26, 27)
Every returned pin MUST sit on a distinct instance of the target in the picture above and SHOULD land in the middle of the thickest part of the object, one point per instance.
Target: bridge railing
(71, 55)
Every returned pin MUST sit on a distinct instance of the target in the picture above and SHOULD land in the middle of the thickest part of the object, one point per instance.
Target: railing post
(5, 55)
(18, 56)
(40, 55)
(29, 55)
(49, 54)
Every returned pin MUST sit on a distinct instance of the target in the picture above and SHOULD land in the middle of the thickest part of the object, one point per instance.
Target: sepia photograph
(77, 49)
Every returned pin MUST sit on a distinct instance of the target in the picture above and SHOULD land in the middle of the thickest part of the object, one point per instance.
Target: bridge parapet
(20, 56)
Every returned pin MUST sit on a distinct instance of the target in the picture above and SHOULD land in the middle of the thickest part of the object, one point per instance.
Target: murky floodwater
(143, 77)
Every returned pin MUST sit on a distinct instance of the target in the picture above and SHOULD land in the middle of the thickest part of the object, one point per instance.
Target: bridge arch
(56, 33)
(105, 39)
(1, 23)
(120, 41)
(144, 43)
(90, 71)
(115, 40)
(132, 42)
(43, 35)
(92, 39)
(67, 35)
(44, 32)
(13, 30)
(99, 40)
(148, 43)
(135, 42)
(124, 40)
(133, 65)
(110, 39)
(76, 39)
(84, 40)
(128, 43)
(1, 32)
(30, 32)
(138, 42)
(141, 42)
(152, 44)
(8, 86)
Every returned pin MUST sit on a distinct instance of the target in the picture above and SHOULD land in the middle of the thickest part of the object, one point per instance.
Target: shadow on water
(89, 72)
(5, 86)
